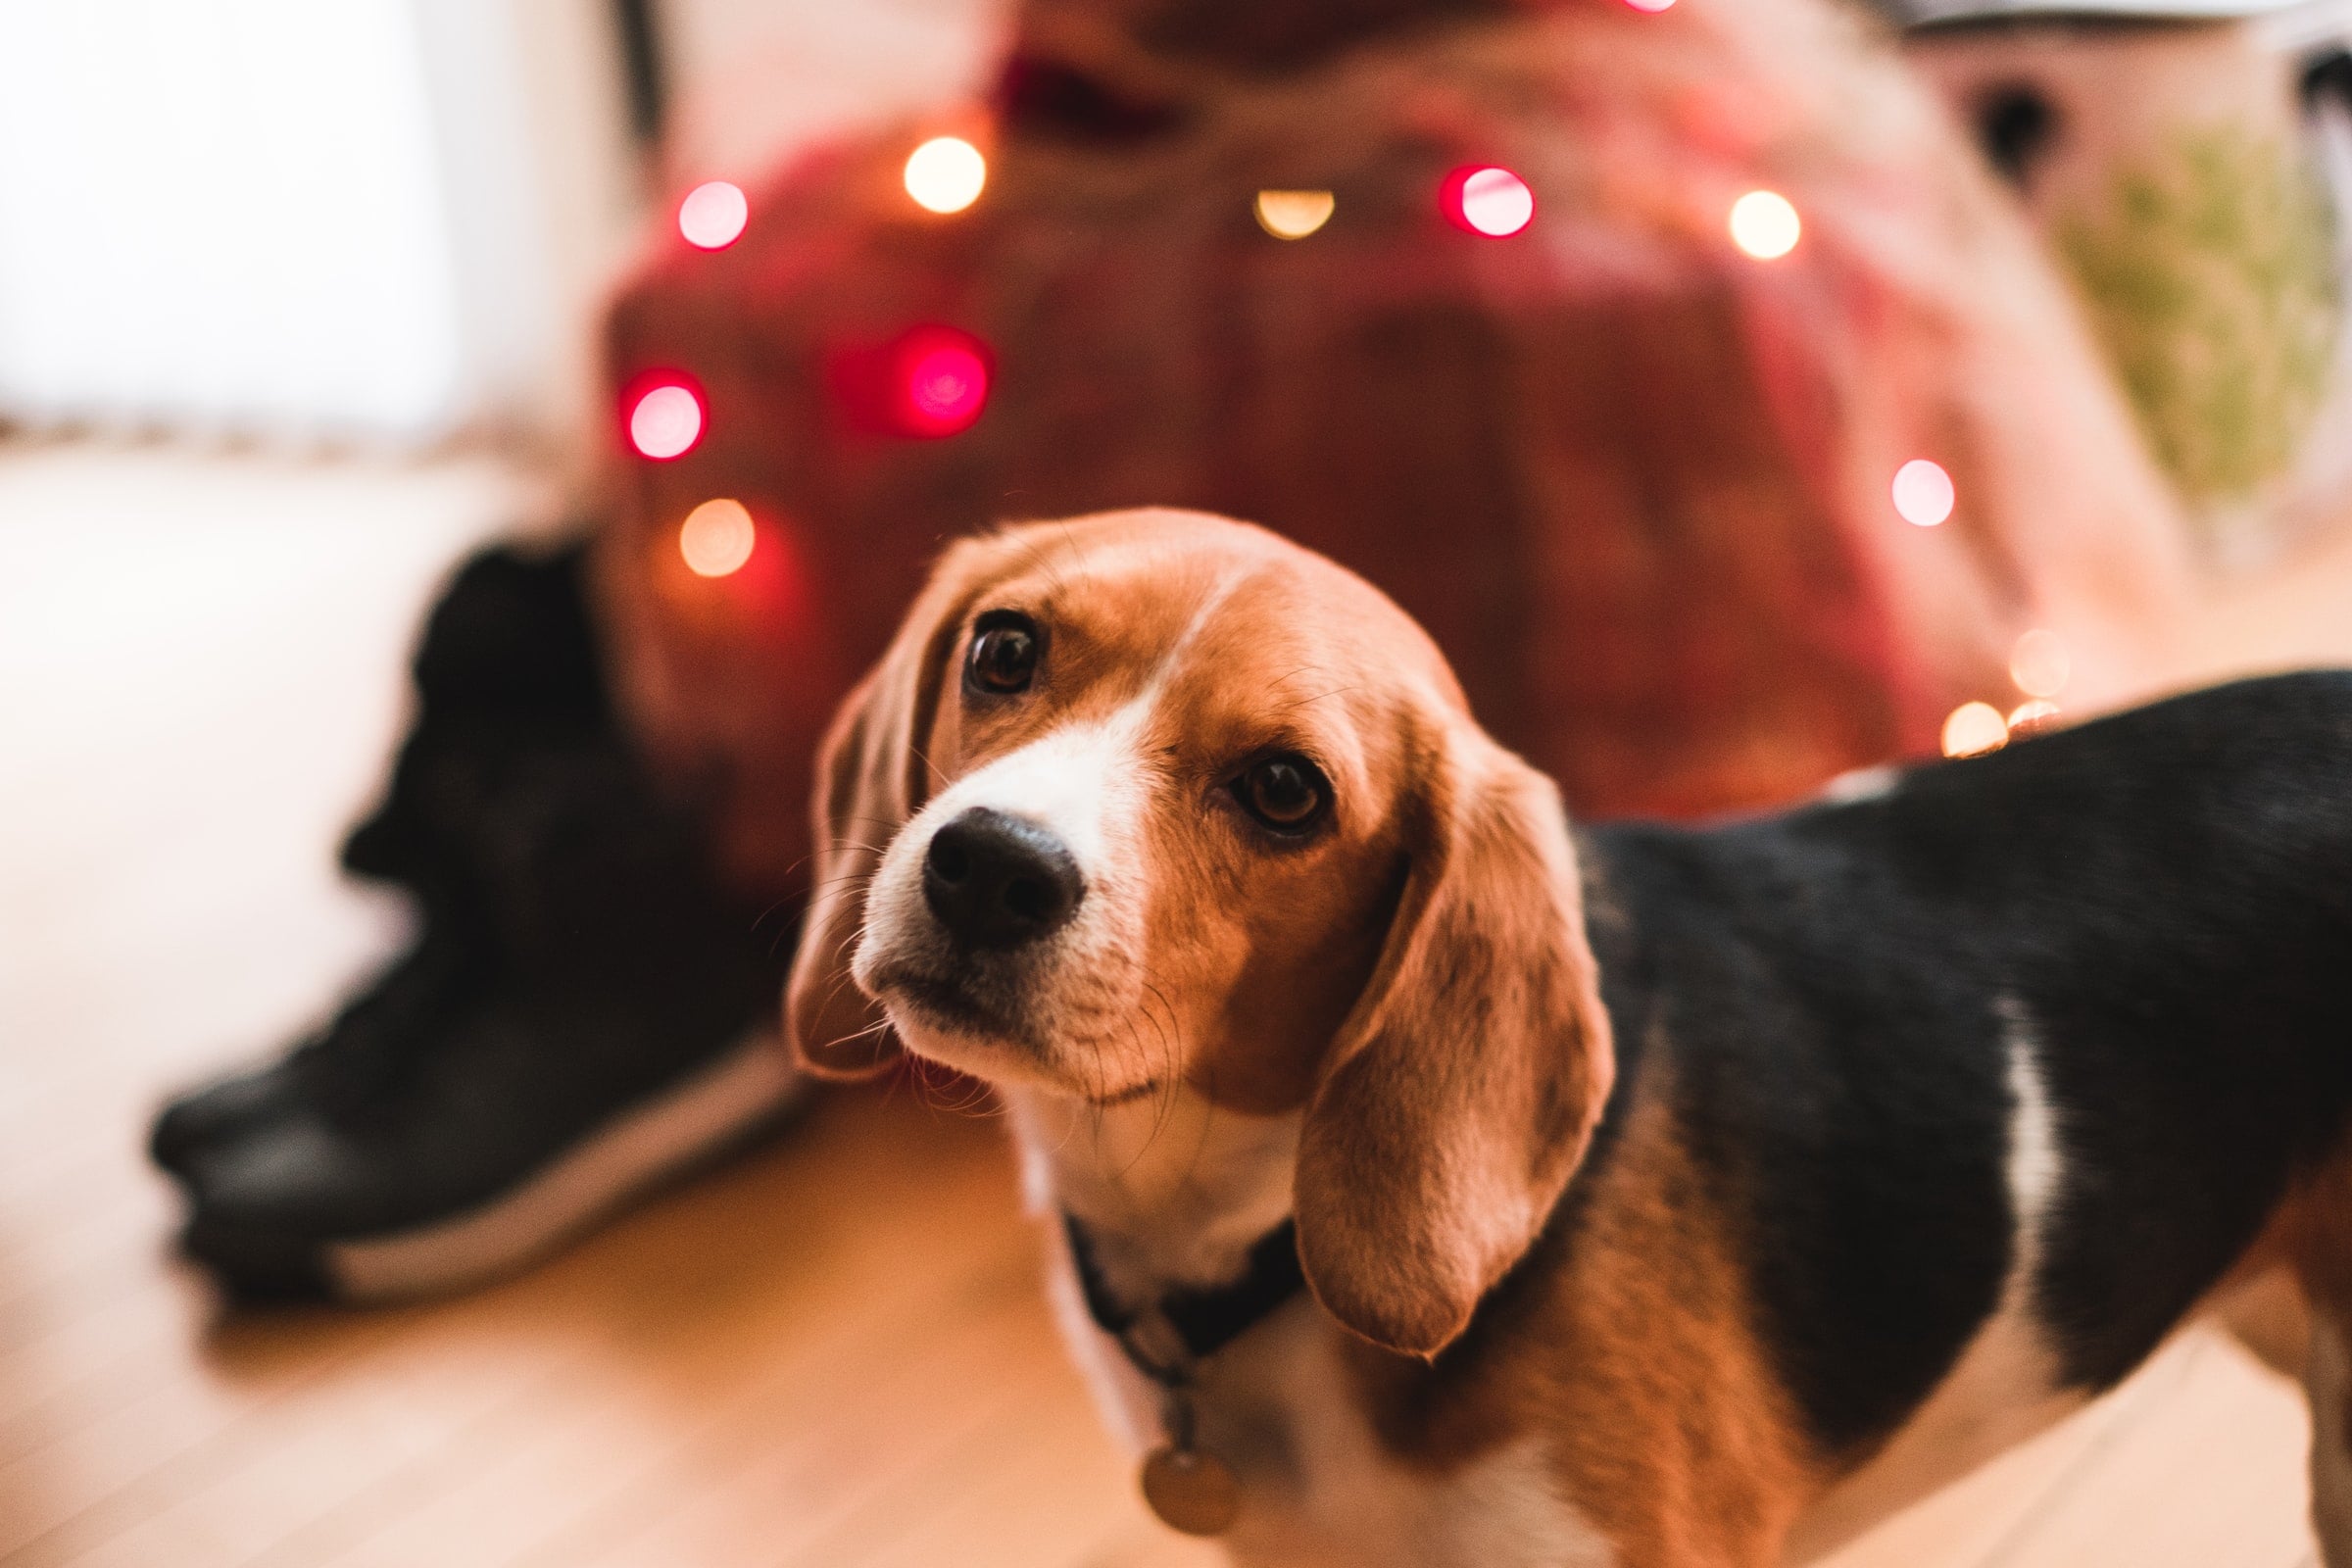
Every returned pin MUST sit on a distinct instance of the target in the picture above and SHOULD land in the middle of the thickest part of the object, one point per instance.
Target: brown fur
(1412, 982)
(1635, 1352)
(1419, 986)
(1673, 1431)
(1448, 1039)
(874, 778)
(1459, 1095)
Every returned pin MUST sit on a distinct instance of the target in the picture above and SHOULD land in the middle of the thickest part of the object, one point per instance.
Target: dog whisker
(923, 757)
(1170, 1052)
(876, 850)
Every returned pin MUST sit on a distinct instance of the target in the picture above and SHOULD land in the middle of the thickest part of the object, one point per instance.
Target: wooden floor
(831, 1351)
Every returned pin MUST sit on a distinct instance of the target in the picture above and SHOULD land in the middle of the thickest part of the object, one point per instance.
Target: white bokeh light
(717, 538)
(1496, 203)
(1974, 728)
(1765, 225)
(946, 175)
(1294, 214)
(1922, 493)
(665, 422)
(2034, 715)
(713, 213)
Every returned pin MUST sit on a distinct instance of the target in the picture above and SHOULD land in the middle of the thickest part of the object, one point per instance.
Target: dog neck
(1173, 1190)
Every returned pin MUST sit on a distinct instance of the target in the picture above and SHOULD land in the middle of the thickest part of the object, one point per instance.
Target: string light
(1294, 214)
(1487, 200)
(943, 380)
(2033, 716)
(717, 538)
(946, 175)
(1765, 225)
(1973, 729)
(666, 420)
(2039, 664)
(1924, 493)
(712, 215)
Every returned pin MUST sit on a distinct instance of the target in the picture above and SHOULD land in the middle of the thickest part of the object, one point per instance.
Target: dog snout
(996, 880)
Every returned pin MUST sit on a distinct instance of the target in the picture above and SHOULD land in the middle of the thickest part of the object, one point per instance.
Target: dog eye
(1286, 793)
(1004, 656)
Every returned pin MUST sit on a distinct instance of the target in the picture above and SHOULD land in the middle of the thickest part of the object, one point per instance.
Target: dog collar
(1163, 1339)
(1191, 1488)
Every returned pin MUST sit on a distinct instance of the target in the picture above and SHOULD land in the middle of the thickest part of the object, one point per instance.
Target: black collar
(1165, 1337)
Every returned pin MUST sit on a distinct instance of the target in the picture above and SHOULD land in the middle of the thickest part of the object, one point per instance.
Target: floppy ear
(872, 776)
(1463, 1089)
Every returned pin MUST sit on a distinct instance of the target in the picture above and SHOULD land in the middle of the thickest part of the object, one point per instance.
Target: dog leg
(2328, 1381)
(2320, 1235)
(2270, 1316)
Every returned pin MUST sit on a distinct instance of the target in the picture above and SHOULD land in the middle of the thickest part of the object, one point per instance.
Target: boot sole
(697, 1118)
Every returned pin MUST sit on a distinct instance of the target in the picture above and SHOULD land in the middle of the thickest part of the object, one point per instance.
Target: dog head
(1155, 799)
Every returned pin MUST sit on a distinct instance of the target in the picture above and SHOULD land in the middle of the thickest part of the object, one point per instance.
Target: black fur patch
(2164, 898)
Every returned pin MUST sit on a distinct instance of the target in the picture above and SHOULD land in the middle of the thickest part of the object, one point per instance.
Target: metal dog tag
(1192, 1491)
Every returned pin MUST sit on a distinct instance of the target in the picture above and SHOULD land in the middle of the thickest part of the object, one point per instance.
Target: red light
(929, 381)
(1487, 200)
(943, 380)
(664, 416)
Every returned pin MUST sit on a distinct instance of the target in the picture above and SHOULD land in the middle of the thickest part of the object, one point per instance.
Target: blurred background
(385, 225)
(304, 304)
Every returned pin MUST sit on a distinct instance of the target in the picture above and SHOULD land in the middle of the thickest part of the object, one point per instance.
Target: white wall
(753, 78)
(381, 220)
(385, 222)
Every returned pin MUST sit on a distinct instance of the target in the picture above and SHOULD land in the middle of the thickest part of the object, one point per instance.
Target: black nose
(997, 881)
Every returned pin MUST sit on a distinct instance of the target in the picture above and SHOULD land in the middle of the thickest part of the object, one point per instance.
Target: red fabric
(1634, 481)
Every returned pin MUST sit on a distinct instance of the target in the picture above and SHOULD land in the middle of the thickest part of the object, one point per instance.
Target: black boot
(585, 1010)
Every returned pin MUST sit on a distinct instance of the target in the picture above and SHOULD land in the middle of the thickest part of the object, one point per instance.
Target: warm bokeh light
(1652, 6)
(1765, 225)
(666, 420)
(2030, 718)
(1924, 493)
(946, 175)
(717, 538)
(943, 381)
(2039, 664)
(1294, 214)
(1490, 201)
(1974, 728)
(712, 215)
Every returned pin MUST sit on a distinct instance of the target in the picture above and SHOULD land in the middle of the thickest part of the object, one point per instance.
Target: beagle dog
(1444, 1186)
